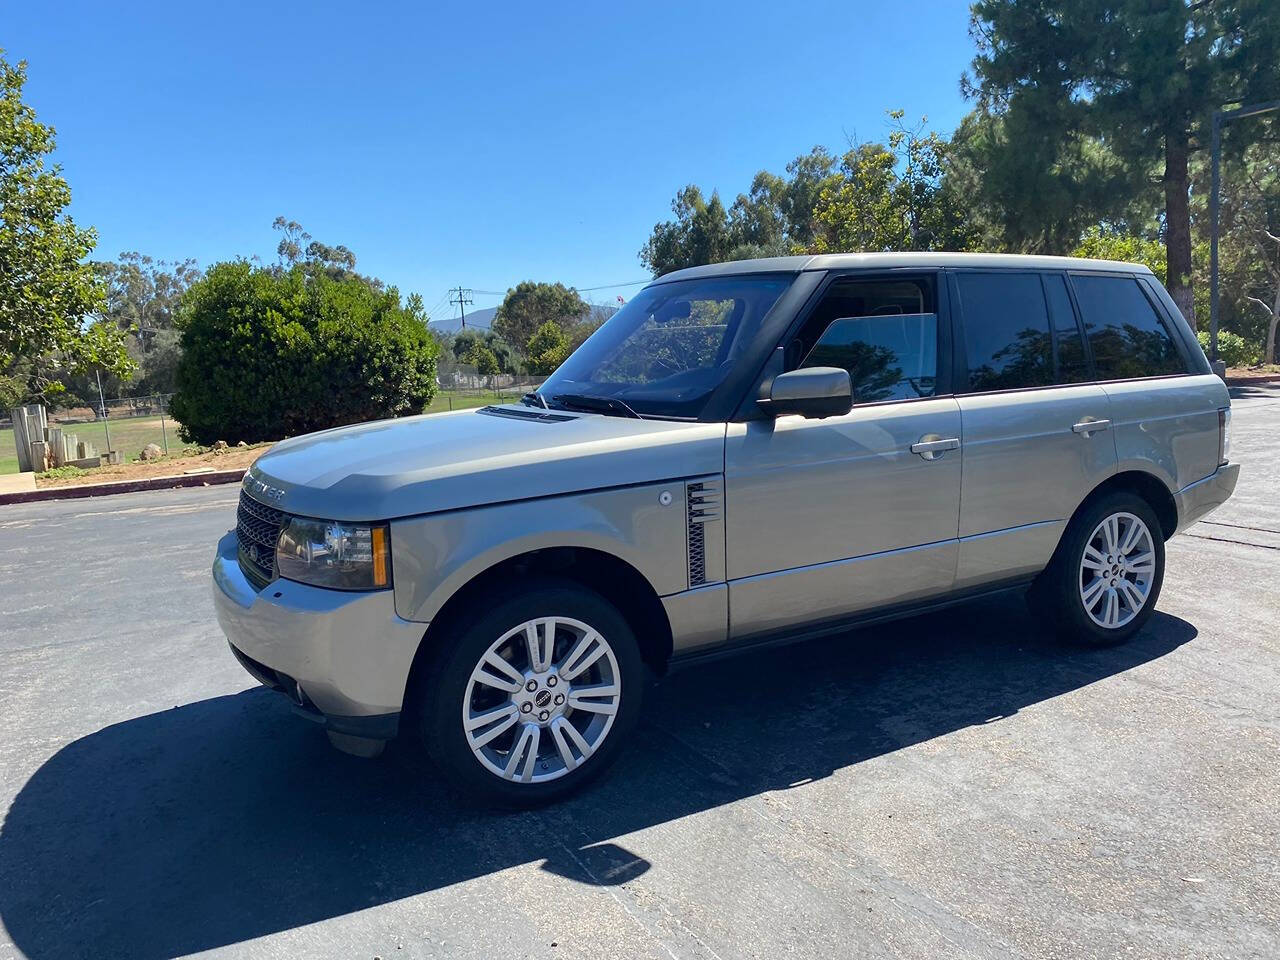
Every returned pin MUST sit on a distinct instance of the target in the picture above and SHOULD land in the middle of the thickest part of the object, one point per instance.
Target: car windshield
(666, 351)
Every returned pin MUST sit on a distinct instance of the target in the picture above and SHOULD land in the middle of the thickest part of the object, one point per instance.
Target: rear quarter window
(1126, 334)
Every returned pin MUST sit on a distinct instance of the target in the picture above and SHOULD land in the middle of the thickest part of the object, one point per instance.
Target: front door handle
(1090, 426)
(931, 446)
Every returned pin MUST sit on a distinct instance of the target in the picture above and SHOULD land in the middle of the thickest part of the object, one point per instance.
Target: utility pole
(1219, 118)
(102, 407)
(462, 299)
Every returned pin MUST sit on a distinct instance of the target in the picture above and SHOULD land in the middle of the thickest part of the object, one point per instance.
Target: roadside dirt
(1243, 375)
(234, 458)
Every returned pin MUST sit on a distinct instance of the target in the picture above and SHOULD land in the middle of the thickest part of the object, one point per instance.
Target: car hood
(447, 461)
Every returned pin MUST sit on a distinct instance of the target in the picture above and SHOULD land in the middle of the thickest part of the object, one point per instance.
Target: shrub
(547, 349)
(1233, 349)
(483, 359)
(268, 353)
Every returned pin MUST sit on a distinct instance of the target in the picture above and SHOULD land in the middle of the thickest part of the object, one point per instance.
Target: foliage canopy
(48, 291)
(270, 353)
(529, 305)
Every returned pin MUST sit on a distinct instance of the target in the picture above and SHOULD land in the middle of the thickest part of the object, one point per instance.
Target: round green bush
(1233, 349)
(269, 353)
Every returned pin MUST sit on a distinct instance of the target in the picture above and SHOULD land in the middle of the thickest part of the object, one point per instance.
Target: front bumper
(1200, 498)
(342, 657)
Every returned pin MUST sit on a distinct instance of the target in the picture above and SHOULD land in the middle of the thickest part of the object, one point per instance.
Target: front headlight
(343, 556)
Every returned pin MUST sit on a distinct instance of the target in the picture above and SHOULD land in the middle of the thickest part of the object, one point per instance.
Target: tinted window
(1006, 330)
(1126, 334)
(889, 357)
(1072, 365)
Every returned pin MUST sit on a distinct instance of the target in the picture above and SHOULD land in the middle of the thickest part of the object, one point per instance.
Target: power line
(602, 286)
(439, 303)
(610, 286)
(462, 297)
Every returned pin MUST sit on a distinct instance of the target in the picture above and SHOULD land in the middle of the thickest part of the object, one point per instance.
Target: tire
(1105, 597)
(479, 724)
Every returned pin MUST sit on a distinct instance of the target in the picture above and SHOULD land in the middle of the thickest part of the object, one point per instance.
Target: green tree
(1142, 77)
(142, 293)
(1024, 192)
(892, 196)
(699, 234)
(142, 298)
(775, 217)
(459, 345)
(483, 359)
(269, 353)
(529, 305)
(297, 248)
(1250, 244)
(857, 209)
(48, 291)
(1102, 244)
(547, 349)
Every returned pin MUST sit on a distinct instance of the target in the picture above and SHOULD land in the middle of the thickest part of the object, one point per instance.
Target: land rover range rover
(746, 452)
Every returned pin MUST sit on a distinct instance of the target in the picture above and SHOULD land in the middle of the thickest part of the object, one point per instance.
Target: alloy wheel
(1117, 570)
(541, 700)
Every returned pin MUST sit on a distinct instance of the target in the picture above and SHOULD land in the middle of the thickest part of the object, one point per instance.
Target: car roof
(882, 261)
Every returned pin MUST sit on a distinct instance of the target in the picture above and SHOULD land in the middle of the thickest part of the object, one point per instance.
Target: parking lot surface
(954, 785)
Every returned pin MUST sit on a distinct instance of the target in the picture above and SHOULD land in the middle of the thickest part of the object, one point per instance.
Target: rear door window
(1126, 335)
(1006, 331)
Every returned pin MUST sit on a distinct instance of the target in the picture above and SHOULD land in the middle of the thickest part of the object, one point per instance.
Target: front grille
(257, 530)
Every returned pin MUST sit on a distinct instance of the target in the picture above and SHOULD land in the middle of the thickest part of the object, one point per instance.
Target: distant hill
(479, 319)
(483, 319)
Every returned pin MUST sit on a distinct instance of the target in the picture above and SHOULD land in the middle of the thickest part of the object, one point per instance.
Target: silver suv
(746, 453)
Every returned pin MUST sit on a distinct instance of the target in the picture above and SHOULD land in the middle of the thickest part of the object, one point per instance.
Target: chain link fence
(462, 386)
(127, 425)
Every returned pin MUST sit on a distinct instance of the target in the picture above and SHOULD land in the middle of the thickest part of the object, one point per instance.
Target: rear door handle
(1090, 426)
(931, 446)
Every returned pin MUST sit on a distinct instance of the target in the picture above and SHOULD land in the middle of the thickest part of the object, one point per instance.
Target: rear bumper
(1200, 498)
(341, 657)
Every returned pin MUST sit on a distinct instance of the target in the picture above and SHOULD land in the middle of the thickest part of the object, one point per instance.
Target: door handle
(1090, 426)
(931, 446)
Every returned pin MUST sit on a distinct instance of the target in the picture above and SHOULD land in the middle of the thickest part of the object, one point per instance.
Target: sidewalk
(17, 482)
(29, 494)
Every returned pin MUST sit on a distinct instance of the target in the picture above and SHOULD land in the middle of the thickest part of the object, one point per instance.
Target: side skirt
(761, 641)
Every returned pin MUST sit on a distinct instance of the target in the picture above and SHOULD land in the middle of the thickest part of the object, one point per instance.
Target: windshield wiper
(535, 400)
(608, 405)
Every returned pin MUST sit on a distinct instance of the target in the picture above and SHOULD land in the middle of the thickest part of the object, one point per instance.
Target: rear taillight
(1224, 434)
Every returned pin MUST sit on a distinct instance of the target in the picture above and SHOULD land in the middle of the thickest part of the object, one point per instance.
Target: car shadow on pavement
(228, 819)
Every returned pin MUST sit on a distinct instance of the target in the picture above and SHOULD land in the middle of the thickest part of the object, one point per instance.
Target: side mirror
(815, 392)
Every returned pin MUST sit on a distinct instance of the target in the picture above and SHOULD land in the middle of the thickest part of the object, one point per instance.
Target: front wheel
(535, 695)
(1103, 582)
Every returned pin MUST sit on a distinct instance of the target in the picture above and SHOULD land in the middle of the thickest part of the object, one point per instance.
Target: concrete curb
(125, 486)
(1251, 380)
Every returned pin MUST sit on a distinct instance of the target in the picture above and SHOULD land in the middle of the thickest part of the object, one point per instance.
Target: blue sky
(474, 143)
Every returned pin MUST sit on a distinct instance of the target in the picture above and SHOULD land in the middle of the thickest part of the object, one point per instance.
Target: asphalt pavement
(954, 785)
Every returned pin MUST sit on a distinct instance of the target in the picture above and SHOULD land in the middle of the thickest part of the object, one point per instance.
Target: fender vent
(703, 504)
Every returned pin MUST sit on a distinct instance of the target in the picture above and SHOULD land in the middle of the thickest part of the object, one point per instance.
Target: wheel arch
(1146, 485)
(607, 574)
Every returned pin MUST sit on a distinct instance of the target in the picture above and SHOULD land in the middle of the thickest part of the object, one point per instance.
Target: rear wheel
(535, 695)
(1103, 582)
